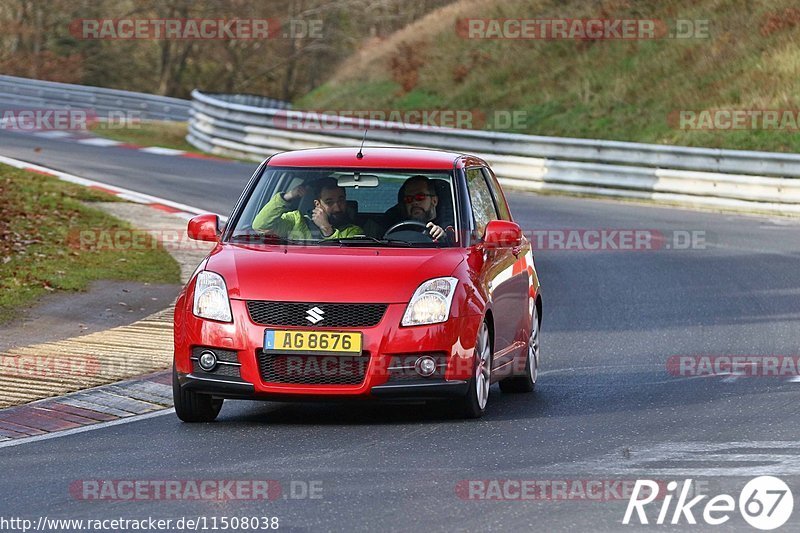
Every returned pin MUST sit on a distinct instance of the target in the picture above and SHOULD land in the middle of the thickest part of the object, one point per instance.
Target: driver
(419, 200)
(329, 218)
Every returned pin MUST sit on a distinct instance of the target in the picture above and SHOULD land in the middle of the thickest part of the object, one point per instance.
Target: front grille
(333, 315)
(305, 369)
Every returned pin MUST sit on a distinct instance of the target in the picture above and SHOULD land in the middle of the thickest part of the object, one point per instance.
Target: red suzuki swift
(387, 273)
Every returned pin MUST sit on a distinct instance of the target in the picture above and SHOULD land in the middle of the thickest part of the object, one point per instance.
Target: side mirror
(502, 234)
(204, 228)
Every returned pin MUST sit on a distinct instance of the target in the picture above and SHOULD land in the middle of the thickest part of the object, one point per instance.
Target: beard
(421, 215)
(337, 220)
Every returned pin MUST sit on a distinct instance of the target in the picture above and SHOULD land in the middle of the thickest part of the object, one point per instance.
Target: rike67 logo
(765, 503)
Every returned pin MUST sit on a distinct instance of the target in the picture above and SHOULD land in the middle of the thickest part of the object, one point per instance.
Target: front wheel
(192, 406)
(474, 403)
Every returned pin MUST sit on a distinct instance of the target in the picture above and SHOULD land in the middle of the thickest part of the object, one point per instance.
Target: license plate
(326, 342)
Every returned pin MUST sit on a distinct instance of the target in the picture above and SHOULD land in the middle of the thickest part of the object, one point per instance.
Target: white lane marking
(754, 458)
(97, 141)
(133, 197)
(83, 429)
(162, 151)
(54, 134)
(146, 198)
(732, 377)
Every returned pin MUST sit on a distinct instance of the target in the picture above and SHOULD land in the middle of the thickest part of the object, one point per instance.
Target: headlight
(431, 302)
(211, 297)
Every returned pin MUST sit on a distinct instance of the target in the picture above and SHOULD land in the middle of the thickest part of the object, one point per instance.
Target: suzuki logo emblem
(314, 315)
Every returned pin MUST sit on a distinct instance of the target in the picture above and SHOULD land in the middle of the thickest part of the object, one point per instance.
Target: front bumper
(239, 389)
(383, 343)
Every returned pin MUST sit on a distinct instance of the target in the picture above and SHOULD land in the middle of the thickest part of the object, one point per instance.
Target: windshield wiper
(364, 239)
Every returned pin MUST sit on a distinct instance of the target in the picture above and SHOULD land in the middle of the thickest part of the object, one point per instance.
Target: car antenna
(360, 155)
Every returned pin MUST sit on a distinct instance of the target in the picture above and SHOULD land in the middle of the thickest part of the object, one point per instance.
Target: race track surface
(608, 407)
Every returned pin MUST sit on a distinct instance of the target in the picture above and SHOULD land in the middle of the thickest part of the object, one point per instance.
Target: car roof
(374, 157)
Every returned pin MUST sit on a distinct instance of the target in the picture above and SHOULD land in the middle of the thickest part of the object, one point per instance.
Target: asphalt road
(606, 408)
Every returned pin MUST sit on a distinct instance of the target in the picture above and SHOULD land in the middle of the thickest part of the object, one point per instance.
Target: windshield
(363, 207)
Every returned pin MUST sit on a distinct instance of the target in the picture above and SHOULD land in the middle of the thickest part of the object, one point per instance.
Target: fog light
(425, 366)
(208, 361)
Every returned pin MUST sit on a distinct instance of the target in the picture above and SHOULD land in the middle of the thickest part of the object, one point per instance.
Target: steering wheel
(409, 225)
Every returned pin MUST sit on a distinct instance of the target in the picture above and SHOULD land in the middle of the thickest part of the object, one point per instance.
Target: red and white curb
(162, 204)
(77, 412)
(99, 407)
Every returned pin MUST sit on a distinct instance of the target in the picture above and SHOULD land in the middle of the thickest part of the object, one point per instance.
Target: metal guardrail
(726, 179)
(30, 93)
(251, 100)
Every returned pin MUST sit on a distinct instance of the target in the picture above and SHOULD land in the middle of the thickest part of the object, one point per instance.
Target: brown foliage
(460, 73)
(42, 39)
(405, 64)
(774, 22)
(45, 65)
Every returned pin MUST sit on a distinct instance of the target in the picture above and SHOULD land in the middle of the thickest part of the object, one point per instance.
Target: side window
(499, 199)
(480, 197)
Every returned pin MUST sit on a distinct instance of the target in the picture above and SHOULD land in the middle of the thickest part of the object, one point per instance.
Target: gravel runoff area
(113, 331)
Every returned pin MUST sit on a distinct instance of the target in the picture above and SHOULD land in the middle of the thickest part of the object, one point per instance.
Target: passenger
(328, 220)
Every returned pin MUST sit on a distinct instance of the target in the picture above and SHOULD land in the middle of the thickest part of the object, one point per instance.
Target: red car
(382, 273)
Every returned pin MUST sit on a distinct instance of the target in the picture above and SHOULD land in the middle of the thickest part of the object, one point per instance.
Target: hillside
(610, 89)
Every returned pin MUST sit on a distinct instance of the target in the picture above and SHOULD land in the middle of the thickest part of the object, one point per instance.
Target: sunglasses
(417, 197)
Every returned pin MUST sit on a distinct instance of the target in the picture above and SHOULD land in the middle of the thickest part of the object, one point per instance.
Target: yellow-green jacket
(276, 217)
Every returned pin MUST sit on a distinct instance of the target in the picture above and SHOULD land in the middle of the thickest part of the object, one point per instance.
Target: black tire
(191, 406)
(527, 381)
(470, 406)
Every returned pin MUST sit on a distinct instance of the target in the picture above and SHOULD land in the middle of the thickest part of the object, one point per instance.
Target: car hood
(329, 273)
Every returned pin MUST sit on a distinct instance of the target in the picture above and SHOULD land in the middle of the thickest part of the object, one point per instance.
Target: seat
(352, 210)
(445, 211)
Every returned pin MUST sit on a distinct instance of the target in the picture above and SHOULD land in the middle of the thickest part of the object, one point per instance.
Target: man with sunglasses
(419, 200)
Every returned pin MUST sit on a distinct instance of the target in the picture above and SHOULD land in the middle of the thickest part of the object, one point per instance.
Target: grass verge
(40, 217)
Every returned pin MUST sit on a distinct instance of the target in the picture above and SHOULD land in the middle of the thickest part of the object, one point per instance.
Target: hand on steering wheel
(408, 225)
(436, 231)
